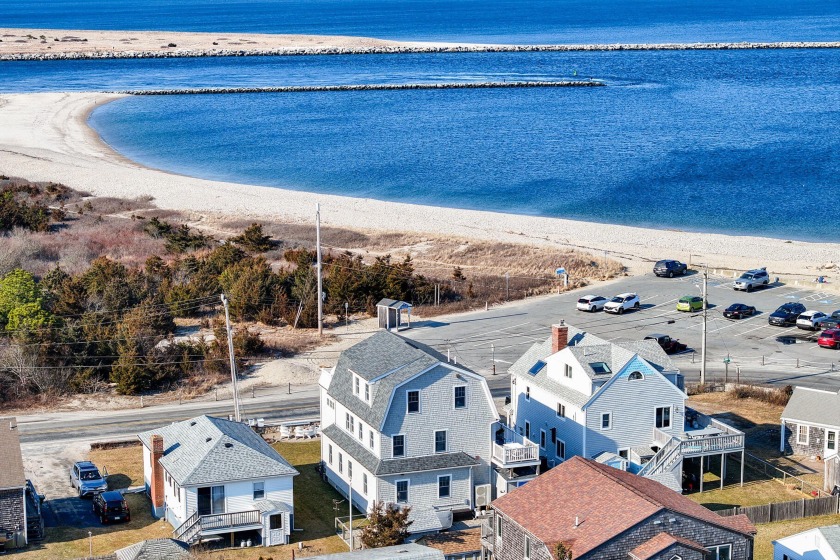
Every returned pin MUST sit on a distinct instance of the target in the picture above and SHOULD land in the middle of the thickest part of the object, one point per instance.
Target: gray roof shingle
(155, 549)
(409, 551)
(386, 357)
(378, 467)
(831, 533)
(813, 406)
(206, 450)
(11, 460)
(268, 506)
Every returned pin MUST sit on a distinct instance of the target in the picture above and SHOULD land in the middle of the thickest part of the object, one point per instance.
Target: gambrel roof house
(405, 426)
(210, 475)
(811, 423)
(596, 511)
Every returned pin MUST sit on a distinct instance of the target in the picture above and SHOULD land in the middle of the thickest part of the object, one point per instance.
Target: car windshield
(747, 276)
(90, 475)
(617, 299)
(685, 299)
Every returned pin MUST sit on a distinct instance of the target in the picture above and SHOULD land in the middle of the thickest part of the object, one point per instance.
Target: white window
(340, 462)
(348, 422)
(330, 403)
(663, 417)
(528, 394)
(542, 439)
(413, 402)
(371, 439)
(444, 484)
(402, 491)
(356, 383)
(350, 469)
(259, 490)
(561, 450)
(461, 396)
(527, 553)
(802, 434)
(720, 552)
(399, 445)
(361, 431)
(606, 420)
(567, 371)
(635, 376)
(440, 441)
(498, 527)
(367, 393)
(561, 410)
(831, 440)
(329, 454)
(364, 484)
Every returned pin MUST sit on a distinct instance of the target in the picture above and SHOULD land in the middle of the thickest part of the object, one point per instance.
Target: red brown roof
(661, 542)
(455, 542)
(606, 502)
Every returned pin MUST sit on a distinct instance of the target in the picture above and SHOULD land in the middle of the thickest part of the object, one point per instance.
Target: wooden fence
(772, 471)
(785, 511)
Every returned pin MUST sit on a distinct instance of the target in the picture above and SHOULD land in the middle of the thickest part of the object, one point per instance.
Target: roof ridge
(798, 387)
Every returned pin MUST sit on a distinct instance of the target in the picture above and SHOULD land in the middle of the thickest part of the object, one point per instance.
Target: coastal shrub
(179, 239)
(253, 239)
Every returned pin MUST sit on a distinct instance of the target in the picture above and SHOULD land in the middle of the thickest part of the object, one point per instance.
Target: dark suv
(669, 268)
(786, 315)
(110, 506)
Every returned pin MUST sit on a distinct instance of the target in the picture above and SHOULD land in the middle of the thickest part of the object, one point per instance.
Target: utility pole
(318, 251)
(493, 351)
(507, 286)
(346, 316)
(232, 360)
(703, 344)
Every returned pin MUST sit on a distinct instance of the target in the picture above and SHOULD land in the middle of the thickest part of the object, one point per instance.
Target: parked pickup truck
(667, 343)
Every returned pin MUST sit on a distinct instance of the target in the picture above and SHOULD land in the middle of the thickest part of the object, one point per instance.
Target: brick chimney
(559, 336)
(156, 481)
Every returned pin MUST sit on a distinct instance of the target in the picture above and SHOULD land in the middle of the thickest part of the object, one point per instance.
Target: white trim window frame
(498, 527)
(409, 402)
(370, 443)
(560, 450)
(609, 424)
(367, 392)
(561, 410)
(394, 445)
(448, 486)
(463, 397)
(361, 431)
(397, 490)
(542, 439)
(364, 484)
(717, 549)
(528, 393)
(666, 422)
(526, 552)
(799, 434)
(357, 381)
(567, 371)
(445, 441)
(329, 453)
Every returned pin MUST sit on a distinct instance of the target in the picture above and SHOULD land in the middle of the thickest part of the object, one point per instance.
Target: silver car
(85, 477)
(752, 279)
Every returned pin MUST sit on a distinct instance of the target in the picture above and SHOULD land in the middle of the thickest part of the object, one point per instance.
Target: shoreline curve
(46, 137)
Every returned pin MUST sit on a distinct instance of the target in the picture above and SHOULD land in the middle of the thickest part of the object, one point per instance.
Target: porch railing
(196, 524)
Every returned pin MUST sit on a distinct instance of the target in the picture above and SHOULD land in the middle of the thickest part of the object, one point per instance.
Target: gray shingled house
(811, 423)
(20, 506)
(620, 403)
(210, 476)
(405, 426)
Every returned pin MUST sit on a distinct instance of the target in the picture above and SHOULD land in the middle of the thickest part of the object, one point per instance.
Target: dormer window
(361, 388)
(600, 368)
(636, 375)
(413, 402)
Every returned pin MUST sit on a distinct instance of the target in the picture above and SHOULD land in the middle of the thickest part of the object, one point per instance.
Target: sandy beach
(45, 137)
(48, 41)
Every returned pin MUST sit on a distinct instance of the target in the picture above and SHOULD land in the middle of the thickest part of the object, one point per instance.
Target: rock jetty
(411, 49)
(362, 87)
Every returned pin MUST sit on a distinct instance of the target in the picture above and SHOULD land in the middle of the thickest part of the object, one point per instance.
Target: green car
(690, 303)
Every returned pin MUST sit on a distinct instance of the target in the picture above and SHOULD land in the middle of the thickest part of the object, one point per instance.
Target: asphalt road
(757, 351)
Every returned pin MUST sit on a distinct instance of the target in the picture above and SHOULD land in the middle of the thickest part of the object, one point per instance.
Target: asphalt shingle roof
(267, 506)
(661, 542)
(540, 351)
(155, 549)
(813, 406)
(11, 460)
(831, 533)
(607, 502)
(402, 465)
(408, 551)
(382, 354)
(206, 450)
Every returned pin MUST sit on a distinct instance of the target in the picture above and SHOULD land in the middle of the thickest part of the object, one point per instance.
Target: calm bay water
(509, 21)
(728, 141)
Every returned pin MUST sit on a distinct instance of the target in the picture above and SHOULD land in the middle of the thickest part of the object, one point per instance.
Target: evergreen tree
(387, 525)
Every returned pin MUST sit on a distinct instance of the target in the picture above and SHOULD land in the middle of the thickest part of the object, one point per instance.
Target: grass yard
(124, 465)
(769, 532)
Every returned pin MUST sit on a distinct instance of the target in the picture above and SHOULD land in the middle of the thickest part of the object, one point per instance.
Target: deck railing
(510, 447)
(196, 524)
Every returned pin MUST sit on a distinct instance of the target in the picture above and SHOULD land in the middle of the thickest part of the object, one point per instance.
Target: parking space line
(735, 323)
(780, 333)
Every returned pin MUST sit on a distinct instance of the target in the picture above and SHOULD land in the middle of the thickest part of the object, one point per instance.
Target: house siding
(633, 407)
(363, 501)
(423, 489)
(816, 439)
(12, 510)
(541, 412)
(468, 429)
(511, 546)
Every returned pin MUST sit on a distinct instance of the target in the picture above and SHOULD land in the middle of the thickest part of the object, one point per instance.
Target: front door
(830, 443)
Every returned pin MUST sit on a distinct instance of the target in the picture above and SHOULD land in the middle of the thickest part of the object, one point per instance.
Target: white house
(404, 426)
(620, 403)
(822, 543)
(210, 476)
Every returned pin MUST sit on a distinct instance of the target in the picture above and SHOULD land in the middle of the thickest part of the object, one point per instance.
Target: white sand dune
(44, 137)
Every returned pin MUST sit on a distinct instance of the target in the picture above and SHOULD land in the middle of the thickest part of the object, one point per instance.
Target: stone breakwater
(411, 49)
(362, 87)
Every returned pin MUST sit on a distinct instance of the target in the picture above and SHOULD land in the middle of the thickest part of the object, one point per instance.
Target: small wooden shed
(393, 314)
(832, 473)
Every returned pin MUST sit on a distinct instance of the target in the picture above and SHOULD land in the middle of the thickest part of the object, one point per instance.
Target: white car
(591, 303)
(622, 302)
(810, 320)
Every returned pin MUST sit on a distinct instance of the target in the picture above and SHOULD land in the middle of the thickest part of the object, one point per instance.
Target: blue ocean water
(508, 21)
(726, 141)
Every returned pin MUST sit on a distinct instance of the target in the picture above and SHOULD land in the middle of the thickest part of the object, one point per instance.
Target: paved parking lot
(757, 351)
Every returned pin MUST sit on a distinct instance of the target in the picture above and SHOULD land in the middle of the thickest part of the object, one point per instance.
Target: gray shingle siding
(11, 510)
(816, 440)
(423, 489)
